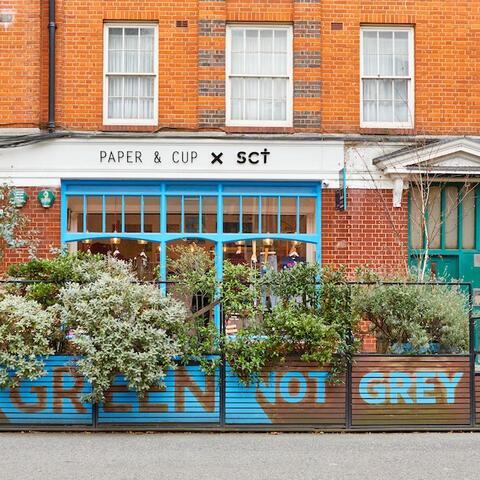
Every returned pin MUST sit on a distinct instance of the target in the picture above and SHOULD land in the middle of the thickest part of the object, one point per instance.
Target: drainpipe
(51, 65)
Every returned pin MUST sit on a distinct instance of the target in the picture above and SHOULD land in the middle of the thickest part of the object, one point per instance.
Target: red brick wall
(45, 224)
(446, 62)
(326, 60)
(369, 233)
(20, 64)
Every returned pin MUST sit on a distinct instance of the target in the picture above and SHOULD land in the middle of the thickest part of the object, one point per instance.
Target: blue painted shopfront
(223, 214)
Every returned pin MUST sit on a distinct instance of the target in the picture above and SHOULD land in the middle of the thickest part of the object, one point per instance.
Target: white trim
(410, 78)
(144, 122)
(289, 104)
(462, 151)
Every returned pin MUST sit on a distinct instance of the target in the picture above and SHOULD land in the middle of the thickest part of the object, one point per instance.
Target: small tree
(15, 227)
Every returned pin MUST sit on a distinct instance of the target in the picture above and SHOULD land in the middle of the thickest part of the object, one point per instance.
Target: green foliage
(192, 270)
(240, 292)
(122, 327)
(53, 274)
(15, 227)
(26, 331)
(417, 315)
(312, 320)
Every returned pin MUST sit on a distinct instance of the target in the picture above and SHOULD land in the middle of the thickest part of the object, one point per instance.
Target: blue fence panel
(55, 398)
(190, 396)
(296, 393)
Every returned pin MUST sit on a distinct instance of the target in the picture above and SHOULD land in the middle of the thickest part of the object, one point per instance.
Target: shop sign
(18, 197)
(46, 198)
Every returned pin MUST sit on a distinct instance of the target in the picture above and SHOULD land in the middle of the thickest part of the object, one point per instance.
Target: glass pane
(269, 214)
(174, 214)
(131, 50)
(132, 214)
(385, 45)
(401, 54)
(266, 50)
(113, 221)
(385, 104)
(231, 214)
(434, 221)
(209, 214)
(307, 215)
(94, 214)
(151, 214)
(237, 39)
(288, 218)
(191, 217)
(468, 217)
(250, 215)
(115, 47)
(251, 96)
(251, 55)
(75, 214)
(451, 217)
(370, 54)
(416, 219)
(281, 41)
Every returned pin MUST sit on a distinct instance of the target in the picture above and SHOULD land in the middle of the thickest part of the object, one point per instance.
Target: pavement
(249, 456)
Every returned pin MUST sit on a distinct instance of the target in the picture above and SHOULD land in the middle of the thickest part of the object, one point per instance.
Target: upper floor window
(130, 74)
(387, 96)
(259, 75)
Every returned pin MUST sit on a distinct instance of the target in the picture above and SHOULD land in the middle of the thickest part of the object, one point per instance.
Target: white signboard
(162, 158)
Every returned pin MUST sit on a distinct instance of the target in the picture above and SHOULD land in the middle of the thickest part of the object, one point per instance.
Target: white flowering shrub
(26, 331)
(122, 327)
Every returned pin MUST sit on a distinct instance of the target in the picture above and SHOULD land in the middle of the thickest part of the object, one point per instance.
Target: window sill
(130, 128)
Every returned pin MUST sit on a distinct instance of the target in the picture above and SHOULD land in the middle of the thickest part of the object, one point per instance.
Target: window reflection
(250, 215)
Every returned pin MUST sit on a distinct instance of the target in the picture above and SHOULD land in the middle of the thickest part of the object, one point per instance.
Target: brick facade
(191, 86)
(192, 52)
(44, 225)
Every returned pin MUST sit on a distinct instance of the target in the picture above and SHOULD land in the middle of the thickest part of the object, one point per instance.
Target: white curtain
(262, 52)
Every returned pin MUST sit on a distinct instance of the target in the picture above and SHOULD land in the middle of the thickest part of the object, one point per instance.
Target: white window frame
(130, 121)
(288, 122)
(410, 79)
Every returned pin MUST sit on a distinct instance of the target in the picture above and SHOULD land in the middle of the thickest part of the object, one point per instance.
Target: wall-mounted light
(115, 241)
(142, 242)
(87, 241)
(268, 242)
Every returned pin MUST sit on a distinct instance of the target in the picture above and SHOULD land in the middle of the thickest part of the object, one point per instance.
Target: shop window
(174, 214)
(113, 216)
(151, 214)
(94, 214)
(387, 77)
(451, 217)
(468, 218)
(209, 214)
(441, 221)
(269, 214)
(191, 214)
(250, 214)
(288, 215)
(231, 214)
(307, 215)
(434, 221)
(132, 214)
(130, 66)
(75, 213)
(259, 75)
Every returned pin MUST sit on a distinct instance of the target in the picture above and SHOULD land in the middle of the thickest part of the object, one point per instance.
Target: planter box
(412, 390)
(386, 391)
(294, 393)
(52, 399)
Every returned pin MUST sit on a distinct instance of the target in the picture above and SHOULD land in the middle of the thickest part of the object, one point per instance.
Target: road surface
(165, 456)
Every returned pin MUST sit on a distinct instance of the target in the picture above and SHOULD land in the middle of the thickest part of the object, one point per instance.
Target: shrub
(410, 318)
(122, 327)
(53, 274)
(26, 334)
(312, 320)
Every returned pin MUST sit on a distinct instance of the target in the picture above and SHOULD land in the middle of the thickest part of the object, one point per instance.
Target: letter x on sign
(217, 158)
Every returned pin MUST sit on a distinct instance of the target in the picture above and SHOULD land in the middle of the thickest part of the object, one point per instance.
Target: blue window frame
(192, 201)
